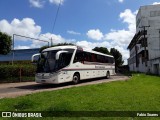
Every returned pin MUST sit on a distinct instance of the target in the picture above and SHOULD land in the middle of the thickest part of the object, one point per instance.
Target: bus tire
(76, 78)
(108, 75)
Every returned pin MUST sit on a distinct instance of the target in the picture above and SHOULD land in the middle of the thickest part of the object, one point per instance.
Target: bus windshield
(47, 62)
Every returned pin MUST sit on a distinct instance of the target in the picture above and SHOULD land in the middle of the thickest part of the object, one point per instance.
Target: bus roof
(95, 52)
(60, 47)
(74, 47)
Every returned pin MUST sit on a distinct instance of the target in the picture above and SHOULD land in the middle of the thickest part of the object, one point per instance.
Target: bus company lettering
(100, 67)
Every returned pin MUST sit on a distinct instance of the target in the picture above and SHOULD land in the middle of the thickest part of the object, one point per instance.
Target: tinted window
(91, 57)
(78, 56)
(65, 58)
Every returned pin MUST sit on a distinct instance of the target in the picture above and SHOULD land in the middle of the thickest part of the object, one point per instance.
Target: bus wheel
(76, 78)
(108, 75)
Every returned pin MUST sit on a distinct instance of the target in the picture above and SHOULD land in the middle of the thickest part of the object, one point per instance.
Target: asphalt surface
(8, 90)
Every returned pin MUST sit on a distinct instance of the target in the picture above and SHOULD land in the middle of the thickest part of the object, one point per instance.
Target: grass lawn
(140, 93)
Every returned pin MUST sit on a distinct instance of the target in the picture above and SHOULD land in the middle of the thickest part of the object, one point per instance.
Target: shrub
(14, 73)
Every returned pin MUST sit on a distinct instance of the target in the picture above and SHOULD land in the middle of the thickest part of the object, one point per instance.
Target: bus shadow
(93, 80)
(49, 86)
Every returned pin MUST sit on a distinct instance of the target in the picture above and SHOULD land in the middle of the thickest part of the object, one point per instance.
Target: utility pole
(51, 41)
(13, 49)
(145, 43)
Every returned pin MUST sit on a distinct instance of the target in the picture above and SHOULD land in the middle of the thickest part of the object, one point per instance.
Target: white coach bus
(71, 63)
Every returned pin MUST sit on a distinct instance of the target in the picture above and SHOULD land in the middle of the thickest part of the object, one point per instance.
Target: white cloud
(121, 1)
(124, 36)
(40, 3)
(45, 37)
(25, 27)
(55, 38)
(37, 3)
(56, 2)
(121, 38)
(73, 32)
(129, 17)
(156, 3)
(95, 34)
(91, 45)
(22, 47)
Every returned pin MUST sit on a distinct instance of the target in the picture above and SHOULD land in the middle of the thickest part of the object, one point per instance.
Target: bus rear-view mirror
(35, 58)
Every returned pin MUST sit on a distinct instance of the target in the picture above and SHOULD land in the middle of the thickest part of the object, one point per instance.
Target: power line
(54, 23)
(30, 38)
(55, 20)
(56, 16)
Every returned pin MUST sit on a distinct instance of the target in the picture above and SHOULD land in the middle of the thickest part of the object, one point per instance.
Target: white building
(145, 53)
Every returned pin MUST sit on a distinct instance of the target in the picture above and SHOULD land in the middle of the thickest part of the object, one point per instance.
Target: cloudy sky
(87, 23)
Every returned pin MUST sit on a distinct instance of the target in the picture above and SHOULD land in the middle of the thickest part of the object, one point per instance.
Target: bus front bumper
(46, 78)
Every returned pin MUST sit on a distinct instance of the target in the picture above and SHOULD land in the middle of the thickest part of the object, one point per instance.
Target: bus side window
(84, 56)
(89, 57)
(106, 60)
(67, 58)
(94, 59)
(109, 60)
(64, 59)
(78, 56)
(98, 58)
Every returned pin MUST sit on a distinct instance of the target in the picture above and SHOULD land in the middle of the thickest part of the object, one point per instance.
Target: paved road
(18, 89)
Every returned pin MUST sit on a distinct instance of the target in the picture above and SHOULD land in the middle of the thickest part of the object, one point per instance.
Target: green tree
(5, 43)
(117, 56)
(102, 50)
(59, 44)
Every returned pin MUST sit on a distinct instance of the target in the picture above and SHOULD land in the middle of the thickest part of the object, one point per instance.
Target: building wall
(155, 66)
(148, 16)
(19, 55)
